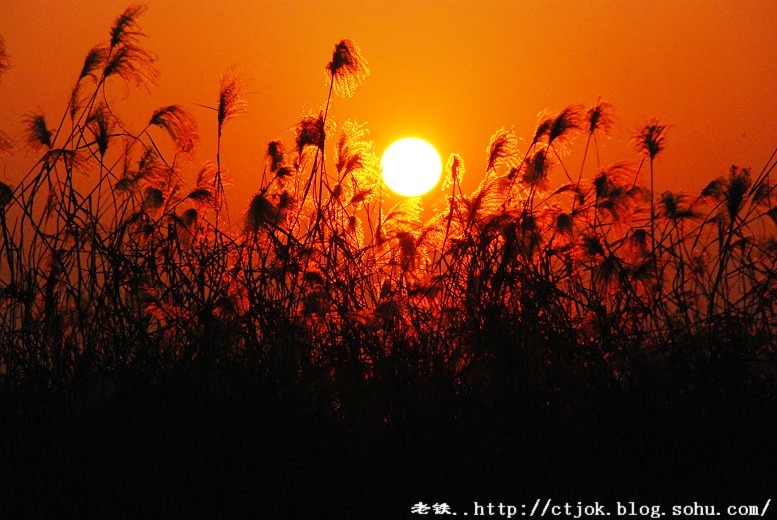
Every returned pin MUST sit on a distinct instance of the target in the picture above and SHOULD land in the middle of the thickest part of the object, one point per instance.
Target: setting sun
(411, 167)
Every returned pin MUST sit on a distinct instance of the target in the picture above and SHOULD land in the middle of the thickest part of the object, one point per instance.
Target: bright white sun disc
(411, 167)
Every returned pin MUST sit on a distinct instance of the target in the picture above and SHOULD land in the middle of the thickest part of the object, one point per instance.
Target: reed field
(316, 351)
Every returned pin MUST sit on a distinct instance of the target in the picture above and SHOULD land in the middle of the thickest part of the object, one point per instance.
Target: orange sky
(452, 72)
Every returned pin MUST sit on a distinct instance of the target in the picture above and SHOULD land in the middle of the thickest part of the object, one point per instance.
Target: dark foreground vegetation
(329, 356)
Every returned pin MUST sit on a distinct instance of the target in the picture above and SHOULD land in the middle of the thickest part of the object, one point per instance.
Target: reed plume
(676, 206)
(125, 29)
(180, 125)
(277, 155)
(502, 149)
(356, 161)
(6, 144)
(232, 100)
(535, 169)
(37, 133)
(260, 212)
(599, 118)
(5, 63)
(311, 131)
(347, 69)
(101, 124)
(737, 188)
(133, 65)
(650, 140)
(124, 57)
(564, 124)
(454, 172)
(94, 61)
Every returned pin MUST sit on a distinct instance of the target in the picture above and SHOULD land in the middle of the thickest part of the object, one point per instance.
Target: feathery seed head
(133, 65)
(101, 124)
(202, 196)
(154, 198)
(355, 157)
(454, 169)
(180, 125)
(4, 63)
(567, 121)
(355, 230)
(669, 204)
(600, 118)
(592, 246)
(347, 69)
(606, 273)
(284, 172)
(403, 216)
(126, 183)
(311, 131)
(151, 168)
(277, 155)
(123, 57)
(536, 168)
(715, 189)
(76, 103)
(738, 185)
(763, 193)
(260, 211)
(650, 139)
(206, 177)
(232, 102)
(675, 206)
(286, 201)
(95, 59)
(564, 223)
(190, 217)
(125, 29)
(502, 148)
(602, 185)
(337, 192)
(543, 127)
(37, 133)
(407, 249)
(639, 241)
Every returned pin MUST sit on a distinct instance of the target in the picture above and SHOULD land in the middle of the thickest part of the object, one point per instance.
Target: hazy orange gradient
(450, 72)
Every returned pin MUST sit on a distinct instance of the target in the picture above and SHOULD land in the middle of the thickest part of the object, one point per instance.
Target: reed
(517, 288)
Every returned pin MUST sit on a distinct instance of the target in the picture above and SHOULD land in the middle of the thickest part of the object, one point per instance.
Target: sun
(411, 166)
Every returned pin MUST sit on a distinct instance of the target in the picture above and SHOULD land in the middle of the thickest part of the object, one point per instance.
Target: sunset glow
(383, 259)
(411, 167)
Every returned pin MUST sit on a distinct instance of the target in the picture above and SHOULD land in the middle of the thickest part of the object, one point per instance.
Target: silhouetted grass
(583, 340)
